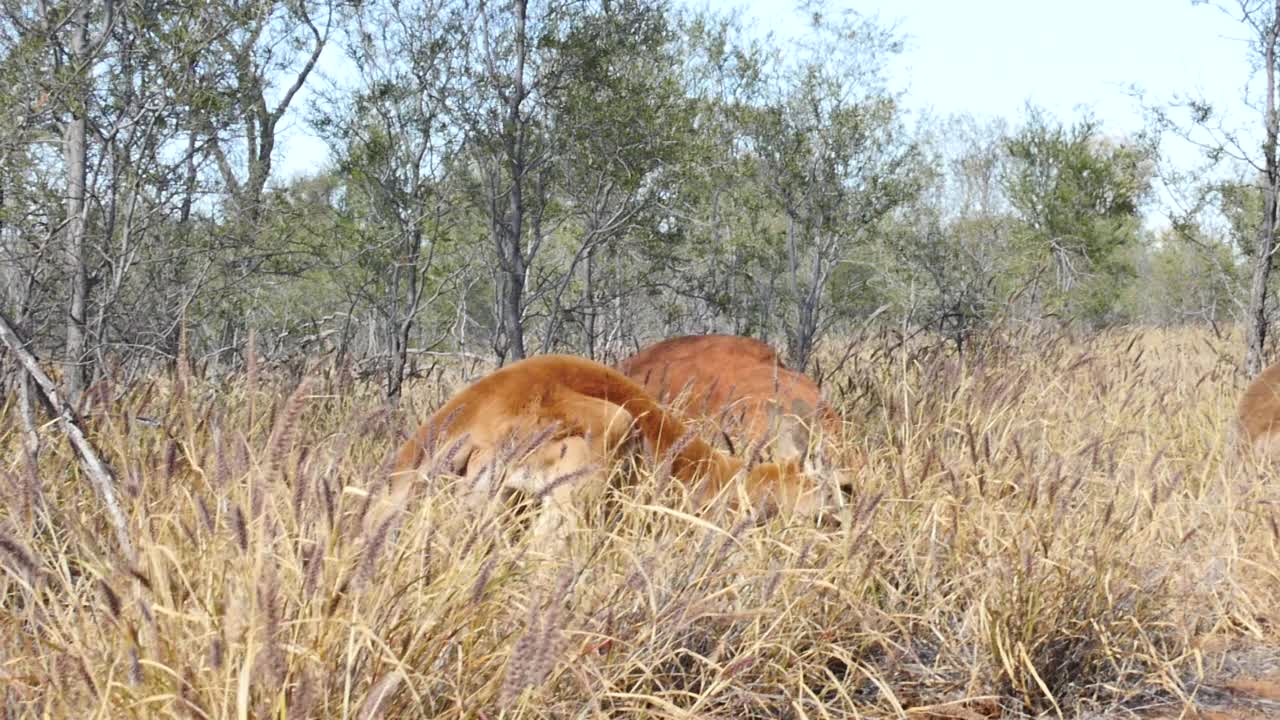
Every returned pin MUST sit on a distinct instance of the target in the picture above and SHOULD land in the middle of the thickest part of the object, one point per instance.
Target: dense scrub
(1047, 525)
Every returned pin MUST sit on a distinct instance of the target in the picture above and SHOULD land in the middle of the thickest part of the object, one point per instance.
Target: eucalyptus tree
(531, 66)
(253, 70)
(622, 135)
(715, 251)
(63, 43)
(395, 135)
(1078, 196)
(835, 155)
(1252, 145)
(97, 81)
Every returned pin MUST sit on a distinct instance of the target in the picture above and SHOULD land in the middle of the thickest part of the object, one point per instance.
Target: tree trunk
(188, 184)
(589, 304)
(27, 411)
(800, 336)
(1255, 358)
(510, 235)
(805, 333)
(75, 139)
(508, 338)
(396, 364)
(405, 317)
(513, 299)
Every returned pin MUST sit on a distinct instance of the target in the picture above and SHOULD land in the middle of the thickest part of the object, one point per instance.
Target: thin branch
(100, 474)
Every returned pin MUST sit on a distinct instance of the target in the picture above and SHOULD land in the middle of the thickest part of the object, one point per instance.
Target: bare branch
(100, 474)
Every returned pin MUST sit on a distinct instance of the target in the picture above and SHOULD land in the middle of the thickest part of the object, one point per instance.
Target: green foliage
(1240, 203)
(1185, 275)
(833, 153)
(611, 171)
(1077, 195)
(946, 255)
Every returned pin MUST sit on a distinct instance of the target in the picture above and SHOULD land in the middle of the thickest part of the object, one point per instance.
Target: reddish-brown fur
(592, 405)
(724, 377)
(1258, 414)
(688, 350)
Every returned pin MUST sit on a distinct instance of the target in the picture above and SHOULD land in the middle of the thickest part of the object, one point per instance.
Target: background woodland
(534, 176)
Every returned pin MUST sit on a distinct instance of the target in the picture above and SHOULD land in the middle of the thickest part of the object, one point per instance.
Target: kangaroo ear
(802, 408)
(772, 419)
(728, 442)
(792, 440)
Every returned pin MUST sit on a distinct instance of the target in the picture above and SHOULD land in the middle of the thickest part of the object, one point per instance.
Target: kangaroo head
(785, 487)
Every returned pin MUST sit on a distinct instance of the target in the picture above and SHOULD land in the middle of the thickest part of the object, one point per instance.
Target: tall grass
(1047, 525)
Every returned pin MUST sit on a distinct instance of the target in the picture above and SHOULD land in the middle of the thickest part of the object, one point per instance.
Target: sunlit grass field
(1047, 525)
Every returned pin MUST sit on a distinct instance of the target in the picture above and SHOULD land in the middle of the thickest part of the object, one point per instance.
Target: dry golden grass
(1047, 526)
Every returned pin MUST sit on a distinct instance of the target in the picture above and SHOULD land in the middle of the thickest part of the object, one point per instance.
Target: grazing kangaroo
(740, 384)
(576, 414)
(1258, 415)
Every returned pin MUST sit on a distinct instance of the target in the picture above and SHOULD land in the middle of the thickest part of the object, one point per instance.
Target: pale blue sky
(989, 57)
